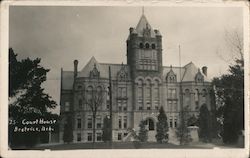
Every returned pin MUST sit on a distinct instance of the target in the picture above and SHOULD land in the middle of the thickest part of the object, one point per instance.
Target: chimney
(204, 70)
(75, 68)
(131, 30)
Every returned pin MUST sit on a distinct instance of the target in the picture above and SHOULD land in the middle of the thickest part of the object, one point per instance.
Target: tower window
(147, 45)
(153, 46)
(141, 45)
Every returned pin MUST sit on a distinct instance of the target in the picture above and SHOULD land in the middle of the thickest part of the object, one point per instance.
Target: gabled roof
(85, 72)
(144, 24)
(186, 73)
(190, 72)
(178, 71)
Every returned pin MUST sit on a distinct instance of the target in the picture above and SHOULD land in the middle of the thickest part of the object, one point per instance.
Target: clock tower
(144, 50)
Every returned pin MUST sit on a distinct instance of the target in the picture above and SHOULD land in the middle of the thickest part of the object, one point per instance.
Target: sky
(59, 35)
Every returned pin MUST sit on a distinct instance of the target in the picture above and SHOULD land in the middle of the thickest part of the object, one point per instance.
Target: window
(79, 123)
(153, 46)
(124, 92)
(119, 103)
(175, 106)
(89, 122)
(80, 103)
(140, 94)
(125, 122)
(170, 106)
(175, 122)
(79, 137)
(140, 108)
(187, 97)
(120, 122)
(98, 122)
(89, 92)
(67, 106)
(147, 45)
(89, 137)
(172, 93)
(119, 136)
(141, 45)
(98, 136)
(171, 122)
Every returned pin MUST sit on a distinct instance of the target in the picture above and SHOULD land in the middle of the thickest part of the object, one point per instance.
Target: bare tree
(233, 46)
(94, 100)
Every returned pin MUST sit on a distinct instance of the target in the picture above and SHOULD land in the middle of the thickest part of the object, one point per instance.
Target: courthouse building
(139, 89)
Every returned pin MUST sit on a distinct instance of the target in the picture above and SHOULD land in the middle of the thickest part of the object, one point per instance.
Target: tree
(27, 100)
(162, 127)
(106, 129)
(182, 131)
(204, 121)
(143, 132)
(229, 91)
(67, 133)
(94, 101)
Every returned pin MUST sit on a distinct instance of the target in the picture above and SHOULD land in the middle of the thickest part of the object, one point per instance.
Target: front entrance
(150, 125)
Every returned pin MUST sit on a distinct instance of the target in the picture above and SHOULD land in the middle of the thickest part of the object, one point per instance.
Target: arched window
(140, 95)
(141, 45)
(147, 45)
(156, 94)
(153, 46)
(196, 99)
(89, 92)
(99, 90)
(150, 124)
(148, 94)
(204, 95)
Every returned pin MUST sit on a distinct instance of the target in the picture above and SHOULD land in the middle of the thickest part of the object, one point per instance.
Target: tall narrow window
(148, 94)
(156, 95)
(89, 137)
(175, 106)
(120, 122)
(171, 122)
(124, 92)
(175, 122)
(98, 122)
(89, 122)
(79, 123)
(79, 137)
(119, 104)
(196, 99)
(140, 95)
(170, 105)
(98, 137)
(187, 97)
(125, 122)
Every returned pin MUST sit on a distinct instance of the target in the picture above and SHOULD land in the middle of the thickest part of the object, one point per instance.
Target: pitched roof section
(178, 71)
(142, 25)
(85, 72)
(190, 72)
(186, 73)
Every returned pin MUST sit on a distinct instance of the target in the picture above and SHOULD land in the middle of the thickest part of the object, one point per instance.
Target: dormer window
(153, 46)
(171, 76)
(147, 45)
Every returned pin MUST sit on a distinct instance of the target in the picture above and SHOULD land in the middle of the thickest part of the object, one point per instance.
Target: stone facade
(139, 89)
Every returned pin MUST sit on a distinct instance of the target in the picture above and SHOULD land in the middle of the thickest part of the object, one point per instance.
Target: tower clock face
(147, 60)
